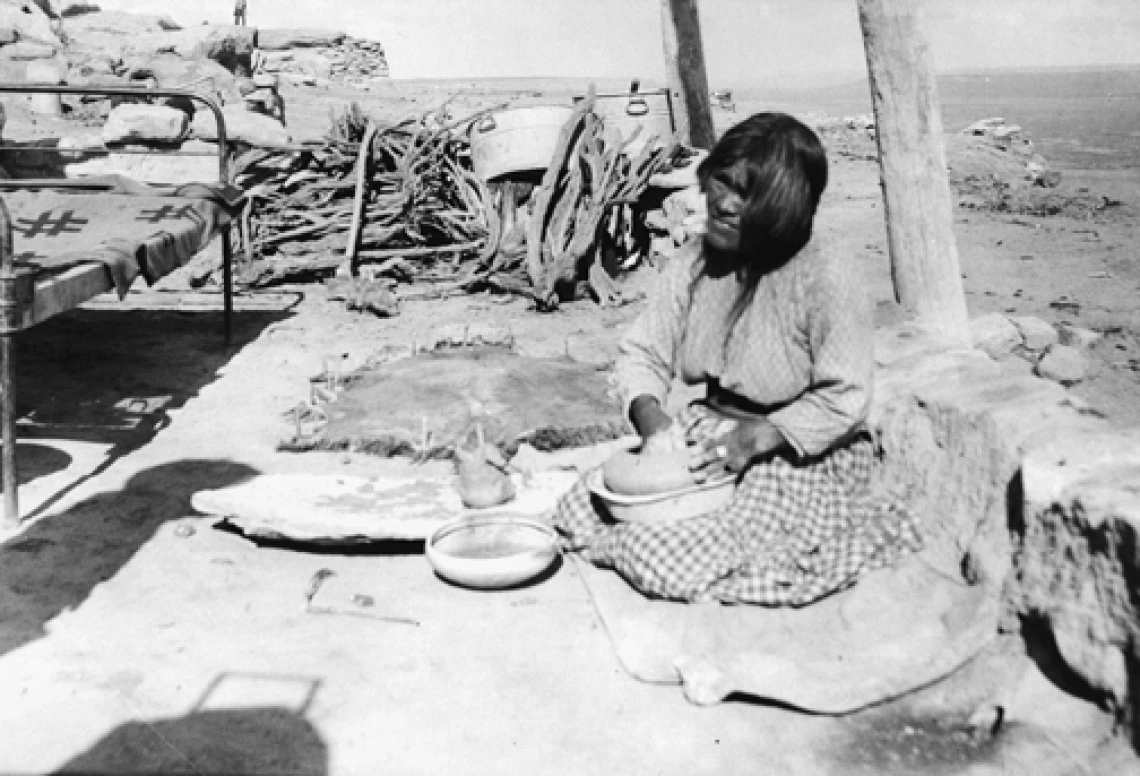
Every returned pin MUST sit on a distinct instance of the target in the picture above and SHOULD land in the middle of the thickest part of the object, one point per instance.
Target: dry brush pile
(401, 201)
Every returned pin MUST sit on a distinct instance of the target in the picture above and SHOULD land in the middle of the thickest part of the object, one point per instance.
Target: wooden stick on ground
(350, 265)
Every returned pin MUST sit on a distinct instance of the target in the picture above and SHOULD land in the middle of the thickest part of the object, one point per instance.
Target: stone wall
(1022, 489)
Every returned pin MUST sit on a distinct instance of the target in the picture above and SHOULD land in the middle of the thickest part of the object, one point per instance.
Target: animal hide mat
(896, 631)
(439, 397)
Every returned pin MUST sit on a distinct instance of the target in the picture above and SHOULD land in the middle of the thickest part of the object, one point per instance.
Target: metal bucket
(651, 111)
(516, 139)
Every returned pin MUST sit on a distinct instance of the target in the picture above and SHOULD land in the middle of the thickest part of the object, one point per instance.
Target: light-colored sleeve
(840, 335)
(646, 362)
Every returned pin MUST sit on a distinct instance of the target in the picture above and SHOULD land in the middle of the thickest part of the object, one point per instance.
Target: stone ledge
(1020, 488)
(1078, 565)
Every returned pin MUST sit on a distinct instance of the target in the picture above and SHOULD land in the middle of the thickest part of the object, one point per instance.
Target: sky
(746, 41)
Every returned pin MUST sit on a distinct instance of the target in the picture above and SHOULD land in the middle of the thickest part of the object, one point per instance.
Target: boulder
(29, 21)
(270, 39)
(994, 334)
(242, 126)
(91, 64)
(173, 72)
(1036, 333)
(1079, 557)
(24, 50)
(117, 23)
(231, 47)
(984, 126)
(145, 123)
(1077, 337)
(1063, 364)
(312, 63)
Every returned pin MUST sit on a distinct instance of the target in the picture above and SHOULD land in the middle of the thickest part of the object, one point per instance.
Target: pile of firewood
(401, 201)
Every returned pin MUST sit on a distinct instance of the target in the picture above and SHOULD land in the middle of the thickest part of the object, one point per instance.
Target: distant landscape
(1085, 118)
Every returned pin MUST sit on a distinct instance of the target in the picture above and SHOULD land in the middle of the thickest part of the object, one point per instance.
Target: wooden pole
(912, 154)
(688, 81)
(9, 312)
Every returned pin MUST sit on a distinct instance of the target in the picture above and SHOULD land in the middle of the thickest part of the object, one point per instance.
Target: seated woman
(773, 322)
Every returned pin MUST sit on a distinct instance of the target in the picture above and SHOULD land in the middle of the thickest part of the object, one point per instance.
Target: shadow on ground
(36, 460)
(103, 375)
(232, 741)
(54, 564)
(113, 377)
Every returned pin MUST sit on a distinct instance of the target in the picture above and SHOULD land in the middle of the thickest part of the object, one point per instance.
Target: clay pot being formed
(633, 474)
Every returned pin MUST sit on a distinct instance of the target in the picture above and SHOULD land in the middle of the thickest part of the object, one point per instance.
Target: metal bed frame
(18, 287)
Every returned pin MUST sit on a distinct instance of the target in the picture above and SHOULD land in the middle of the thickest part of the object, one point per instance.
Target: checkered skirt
(793, 533)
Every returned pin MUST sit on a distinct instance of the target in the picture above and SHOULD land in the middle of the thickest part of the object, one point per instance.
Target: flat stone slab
(336, 509)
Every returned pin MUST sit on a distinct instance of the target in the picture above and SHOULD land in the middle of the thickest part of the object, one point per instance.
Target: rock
(27, 50)
(243, 126)
(952, 427)
(30, 23)
(172, 72)
(312, 63)
(994, 334)
(1006, 132)
(279, 39)
(297, 79)
(984, 126)
(231, 47)
(45, 72)
(81, 26)
(148, 168)
(1063, 364)
(146, 123)
(76, 148)
(1079, 556)
(1076, 337)
(8, 36)
(265, 80)
(1048, 179)
(1036, 333)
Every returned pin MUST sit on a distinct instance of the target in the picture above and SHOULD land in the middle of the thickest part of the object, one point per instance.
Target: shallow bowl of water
(490, 552)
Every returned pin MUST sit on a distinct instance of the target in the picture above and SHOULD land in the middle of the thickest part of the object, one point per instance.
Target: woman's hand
(733, 447)
(668, 440)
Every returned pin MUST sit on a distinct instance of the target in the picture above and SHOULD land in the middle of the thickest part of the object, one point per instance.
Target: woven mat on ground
(895, 631)
(439, 397)
(134, 231)
(337, 509)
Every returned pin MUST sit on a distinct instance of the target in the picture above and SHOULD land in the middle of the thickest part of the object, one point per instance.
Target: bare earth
(135, 636)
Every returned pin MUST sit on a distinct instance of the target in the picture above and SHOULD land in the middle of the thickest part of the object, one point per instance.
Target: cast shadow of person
(53, 565)
(258, 740)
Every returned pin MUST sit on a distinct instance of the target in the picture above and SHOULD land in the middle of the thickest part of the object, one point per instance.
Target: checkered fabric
(793, 533)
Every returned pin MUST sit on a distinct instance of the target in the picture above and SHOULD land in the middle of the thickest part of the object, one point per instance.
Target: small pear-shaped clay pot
(634, 474)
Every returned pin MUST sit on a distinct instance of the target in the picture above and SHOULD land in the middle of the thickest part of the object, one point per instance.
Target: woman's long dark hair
(778, 166)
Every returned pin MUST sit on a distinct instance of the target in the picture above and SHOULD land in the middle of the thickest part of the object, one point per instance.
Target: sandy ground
(136, 636)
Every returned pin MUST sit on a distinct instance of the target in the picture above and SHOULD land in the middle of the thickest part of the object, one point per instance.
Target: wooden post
(685, 63)
(9, 315)
(912, 154)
